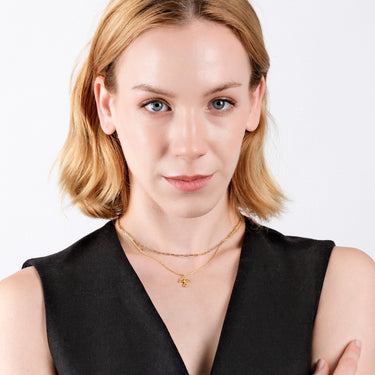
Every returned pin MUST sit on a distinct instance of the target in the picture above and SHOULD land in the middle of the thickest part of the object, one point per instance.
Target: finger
(321, 368)
(348, 362)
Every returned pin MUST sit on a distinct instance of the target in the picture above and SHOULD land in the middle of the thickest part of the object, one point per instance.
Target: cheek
(233, 151)
(227, 150)
(141, 131)
(141, 148)
(132, 132)
(232, 148)
(233, 131)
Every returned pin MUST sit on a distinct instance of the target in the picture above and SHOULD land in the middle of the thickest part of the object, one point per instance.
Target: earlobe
(103, 100)
(256, 100)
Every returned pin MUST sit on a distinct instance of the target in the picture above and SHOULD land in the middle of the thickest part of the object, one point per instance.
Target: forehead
(198, 53)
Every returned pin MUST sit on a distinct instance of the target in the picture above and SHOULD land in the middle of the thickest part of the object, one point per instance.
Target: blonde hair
(93, 169)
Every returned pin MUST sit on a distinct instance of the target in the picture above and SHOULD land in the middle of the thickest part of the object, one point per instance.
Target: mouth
(189, 183)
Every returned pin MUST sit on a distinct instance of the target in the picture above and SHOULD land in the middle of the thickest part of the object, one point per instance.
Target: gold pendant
(184, 282)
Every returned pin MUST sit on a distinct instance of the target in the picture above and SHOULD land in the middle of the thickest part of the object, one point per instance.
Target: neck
(156, 229)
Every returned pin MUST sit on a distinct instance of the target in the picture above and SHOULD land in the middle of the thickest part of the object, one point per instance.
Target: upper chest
(193, 315)
(127, 317)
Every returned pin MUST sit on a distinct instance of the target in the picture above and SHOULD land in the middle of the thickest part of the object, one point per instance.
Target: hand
(347, 364)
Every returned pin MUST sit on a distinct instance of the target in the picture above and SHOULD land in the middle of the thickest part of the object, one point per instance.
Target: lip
(189, 183)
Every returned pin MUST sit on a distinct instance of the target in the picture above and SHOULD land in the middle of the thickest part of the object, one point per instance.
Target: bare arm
(23, 338)
(346, 312)
(348, 363)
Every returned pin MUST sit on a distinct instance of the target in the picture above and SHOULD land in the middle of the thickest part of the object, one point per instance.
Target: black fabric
(100, 320)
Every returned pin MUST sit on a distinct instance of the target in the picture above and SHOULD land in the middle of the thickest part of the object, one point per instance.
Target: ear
(104, 101)
(256, 99)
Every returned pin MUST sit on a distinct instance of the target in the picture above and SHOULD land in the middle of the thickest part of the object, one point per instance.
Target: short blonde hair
(93, 170)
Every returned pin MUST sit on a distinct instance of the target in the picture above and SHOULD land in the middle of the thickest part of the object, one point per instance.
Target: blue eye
(156, 106)
(221, 104)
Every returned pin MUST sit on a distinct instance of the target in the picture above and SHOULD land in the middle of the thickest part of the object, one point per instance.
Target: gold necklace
(183, 280)
(127, 234)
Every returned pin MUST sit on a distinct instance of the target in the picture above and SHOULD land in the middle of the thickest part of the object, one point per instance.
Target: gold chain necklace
(127, 234)
(183, 280)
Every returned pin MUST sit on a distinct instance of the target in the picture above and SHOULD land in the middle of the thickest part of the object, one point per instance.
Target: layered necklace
(183, 280)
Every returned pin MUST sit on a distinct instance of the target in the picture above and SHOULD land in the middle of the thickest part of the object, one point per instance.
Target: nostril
(188, 149)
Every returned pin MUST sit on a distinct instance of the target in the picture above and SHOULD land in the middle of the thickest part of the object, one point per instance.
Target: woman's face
(181, 108)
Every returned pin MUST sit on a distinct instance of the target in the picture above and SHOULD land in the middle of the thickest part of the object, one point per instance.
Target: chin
(192, 208)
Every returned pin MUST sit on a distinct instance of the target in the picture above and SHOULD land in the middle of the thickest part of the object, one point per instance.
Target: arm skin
(346, 312)
(348, 363)
(23, 337)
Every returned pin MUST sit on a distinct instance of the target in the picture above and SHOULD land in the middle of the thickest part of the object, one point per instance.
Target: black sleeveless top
(100, 320)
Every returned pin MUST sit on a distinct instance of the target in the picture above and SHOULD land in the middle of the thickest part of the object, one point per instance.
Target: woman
(167, 127)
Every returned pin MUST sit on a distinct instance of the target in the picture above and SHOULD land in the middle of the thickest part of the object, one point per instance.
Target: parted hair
(92, 167)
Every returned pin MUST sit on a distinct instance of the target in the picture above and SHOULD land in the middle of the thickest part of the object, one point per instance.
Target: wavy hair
(92, 167)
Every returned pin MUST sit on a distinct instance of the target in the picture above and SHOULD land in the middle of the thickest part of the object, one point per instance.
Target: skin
(192, 137)
(348, 363)
(188, 137)
(183, 131)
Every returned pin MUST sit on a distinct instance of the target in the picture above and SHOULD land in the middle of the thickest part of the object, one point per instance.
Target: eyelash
(229, 101)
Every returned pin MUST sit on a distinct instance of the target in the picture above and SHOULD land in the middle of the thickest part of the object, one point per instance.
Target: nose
(188, 135)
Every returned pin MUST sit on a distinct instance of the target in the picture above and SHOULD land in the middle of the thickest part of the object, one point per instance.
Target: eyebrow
(159, 91)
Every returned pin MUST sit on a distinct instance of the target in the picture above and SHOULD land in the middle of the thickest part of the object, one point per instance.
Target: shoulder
(277, 238)
(350, 264)
(23, 340)
(346, 308)
(22, 288)
(313, 252)
(91, 246)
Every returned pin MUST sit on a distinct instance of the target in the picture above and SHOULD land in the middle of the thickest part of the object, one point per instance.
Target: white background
(321, 145)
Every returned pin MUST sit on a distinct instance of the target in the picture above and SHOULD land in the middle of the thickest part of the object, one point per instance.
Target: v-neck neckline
(245, 253)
